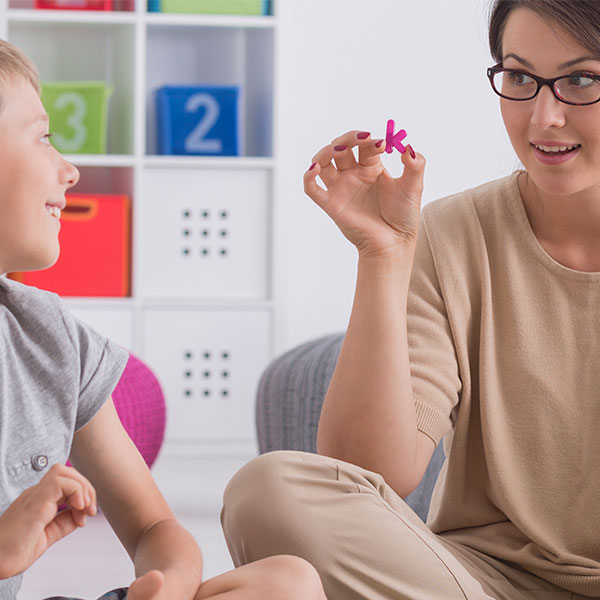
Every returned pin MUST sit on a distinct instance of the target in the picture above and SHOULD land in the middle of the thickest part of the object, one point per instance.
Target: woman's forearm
(368, 416)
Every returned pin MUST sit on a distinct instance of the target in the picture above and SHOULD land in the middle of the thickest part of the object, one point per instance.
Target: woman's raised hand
(376, 212)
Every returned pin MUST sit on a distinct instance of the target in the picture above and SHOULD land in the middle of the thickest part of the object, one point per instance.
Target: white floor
(92, 561)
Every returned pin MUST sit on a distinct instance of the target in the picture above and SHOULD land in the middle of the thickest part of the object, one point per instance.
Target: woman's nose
(548, 110)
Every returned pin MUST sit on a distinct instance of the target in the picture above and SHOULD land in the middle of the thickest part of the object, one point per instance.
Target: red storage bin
(94, 249)
(74, 4)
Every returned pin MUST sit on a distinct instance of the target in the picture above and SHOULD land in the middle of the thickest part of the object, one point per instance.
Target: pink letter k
(393, 141)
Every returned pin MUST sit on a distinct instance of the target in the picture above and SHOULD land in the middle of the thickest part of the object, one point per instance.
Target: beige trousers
(364, 540)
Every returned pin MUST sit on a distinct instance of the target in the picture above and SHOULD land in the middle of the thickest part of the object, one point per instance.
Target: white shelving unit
(201, 313)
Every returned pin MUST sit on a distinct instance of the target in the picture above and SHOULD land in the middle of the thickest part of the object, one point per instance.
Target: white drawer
(209, 363)
(203, 233)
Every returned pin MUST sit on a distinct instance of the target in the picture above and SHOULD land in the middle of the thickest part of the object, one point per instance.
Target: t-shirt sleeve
(433, 361)
(101, 364)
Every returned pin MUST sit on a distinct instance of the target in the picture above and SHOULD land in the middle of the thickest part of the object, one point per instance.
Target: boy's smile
(33, 180)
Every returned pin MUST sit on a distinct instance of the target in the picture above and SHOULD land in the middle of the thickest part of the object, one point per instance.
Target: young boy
(56, 377)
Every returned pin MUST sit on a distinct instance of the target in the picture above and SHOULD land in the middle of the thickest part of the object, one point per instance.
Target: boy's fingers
(66, 483)
(147, 587)
(62, 525)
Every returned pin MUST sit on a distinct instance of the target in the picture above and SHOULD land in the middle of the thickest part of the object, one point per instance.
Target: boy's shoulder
(30, 314)
(14, 290)
(27, 303)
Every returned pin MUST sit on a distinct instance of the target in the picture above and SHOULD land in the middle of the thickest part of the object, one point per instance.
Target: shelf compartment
(238, 57)
(208, 363)
(220, 21)
(16, 7)
(208, 162)
(203, 234)
(105, 180)
(104, 53)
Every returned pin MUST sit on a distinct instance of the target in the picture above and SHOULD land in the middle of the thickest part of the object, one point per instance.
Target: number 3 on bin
(196, 141)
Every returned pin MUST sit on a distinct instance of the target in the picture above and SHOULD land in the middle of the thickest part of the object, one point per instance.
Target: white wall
(352, 64)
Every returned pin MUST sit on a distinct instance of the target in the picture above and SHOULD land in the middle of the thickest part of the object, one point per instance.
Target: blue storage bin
(198, 120)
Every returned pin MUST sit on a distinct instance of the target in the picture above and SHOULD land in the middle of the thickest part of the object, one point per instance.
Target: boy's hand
(150, 586)
(32, 523)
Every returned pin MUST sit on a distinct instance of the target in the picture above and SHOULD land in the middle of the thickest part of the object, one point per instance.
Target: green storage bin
(215, 7)
(78, 115)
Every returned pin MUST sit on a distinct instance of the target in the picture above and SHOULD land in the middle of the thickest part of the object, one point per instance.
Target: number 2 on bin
(196, 141)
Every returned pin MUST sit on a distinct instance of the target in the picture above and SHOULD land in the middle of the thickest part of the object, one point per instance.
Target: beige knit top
(504, 348)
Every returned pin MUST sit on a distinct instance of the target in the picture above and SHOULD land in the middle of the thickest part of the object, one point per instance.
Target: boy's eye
(46, 138)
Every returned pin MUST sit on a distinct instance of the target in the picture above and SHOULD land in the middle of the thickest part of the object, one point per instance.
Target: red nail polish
(339, 148)
(412, 152)
(378, 144)
(363, 135)
(312, 166)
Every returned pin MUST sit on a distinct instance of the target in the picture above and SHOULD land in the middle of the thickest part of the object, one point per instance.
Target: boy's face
(33, 178)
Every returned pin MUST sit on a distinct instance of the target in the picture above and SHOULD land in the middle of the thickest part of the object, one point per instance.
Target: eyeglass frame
(491, 72)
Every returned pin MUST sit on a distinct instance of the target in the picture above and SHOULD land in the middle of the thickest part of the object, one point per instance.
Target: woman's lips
(547, 158)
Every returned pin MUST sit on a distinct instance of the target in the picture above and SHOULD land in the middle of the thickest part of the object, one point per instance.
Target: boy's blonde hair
(14, 62)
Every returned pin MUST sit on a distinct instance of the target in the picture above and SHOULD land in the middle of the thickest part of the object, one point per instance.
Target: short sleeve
(433, 361)
(101, 363)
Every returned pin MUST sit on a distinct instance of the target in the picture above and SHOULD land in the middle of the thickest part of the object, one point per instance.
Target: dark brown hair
(578, 18)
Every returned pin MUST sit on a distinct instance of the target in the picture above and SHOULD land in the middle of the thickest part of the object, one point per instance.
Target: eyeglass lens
(573, 88)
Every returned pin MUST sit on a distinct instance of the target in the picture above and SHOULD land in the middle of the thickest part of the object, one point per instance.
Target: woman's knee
(265, 483)
(265, 502)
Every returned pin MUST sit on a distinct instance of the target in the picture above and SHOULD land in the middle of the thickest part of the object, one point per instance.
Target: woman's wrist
(390, 262)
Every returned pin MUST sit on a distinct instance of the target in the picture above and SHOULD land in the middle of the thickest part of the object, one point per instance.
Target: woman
(474, 321)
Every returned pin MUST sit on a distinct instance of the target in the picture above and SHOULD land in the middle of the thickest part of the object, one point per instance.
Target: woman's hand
(375, 211)
(32, 523)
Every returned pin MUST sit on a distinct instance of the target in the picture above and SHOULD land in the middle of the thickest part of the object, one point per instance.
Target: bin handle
(80, 209)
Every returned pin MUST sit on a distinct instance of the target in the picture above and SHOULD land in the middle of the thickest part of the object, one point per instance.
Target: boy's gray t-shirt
(55, 374)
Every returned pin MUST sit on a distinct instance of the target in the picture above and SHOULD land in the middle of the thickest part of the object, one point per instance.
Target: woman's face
(530, 44)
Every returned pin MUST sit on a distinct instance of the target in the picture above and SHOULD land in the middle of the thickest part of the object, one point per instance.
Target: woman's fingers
(413, 171)
(327, 170)
(369, 154)
(311, 188)
(343, 148)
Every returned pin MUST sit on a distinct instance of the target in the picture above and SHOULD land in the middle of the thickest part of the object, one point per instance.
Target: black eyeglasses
(576, 89)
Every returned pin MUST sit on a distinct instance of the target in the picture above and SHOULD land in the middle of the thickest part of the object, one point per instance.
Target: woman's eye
(517, 78)
(581, 81)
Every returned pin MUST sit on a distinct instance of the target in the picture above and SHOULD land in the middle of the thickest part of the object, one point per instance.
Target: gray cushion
(289, 400)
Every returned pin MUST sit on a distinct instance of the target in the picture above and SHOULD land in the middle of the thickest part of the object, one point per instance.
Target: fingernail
(412, 152)
(312, 166)
(363, 135)
(339, 148)
(378, 144)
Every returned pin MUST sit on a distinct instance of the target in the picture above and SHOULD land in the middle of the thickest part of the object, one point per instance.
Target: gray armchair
(288, 405)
